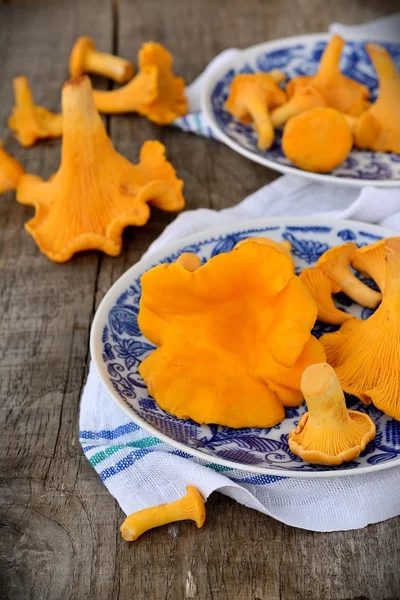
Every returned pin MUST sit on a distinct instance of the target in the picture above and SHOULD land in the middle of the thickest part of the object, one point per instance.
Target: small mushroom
(328, 433)
(190, 507)
(321, 288)
(370, 261)
(189, 261)
(86, 59)
(10, 171)
(340, 92)
(317, 140)
(303, 99)
(366, 354)
(379, 128)
(296, 83)
(335, 263)
(283, 246)
(31, 122)
(251, 97)
(155, 92)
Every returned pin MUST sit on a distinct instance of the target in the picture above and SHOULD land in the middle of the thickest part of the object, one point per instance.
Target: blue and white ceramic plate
(298, 56)
(117, 348)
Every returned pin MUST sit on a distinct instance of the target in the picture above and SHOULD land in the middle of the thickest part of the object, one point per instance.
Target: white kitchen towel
(141, 471)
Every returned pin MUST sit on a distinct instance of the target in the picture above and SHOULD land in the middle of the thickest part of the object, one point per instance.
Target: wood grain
(59, 526)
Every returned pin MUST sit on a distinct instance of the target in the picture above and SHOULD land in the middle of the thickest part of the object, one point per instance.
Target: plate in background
(299, 56)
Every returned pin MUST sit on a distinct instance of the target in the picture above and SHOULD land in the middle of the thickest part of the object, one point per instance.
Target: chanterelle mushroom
(335, 263)
(317, 140)
(96, 192)
(328, 433)
(366, 354)
(155, 92)
(31, 122)
(10, 171)
(340, 92)
(379, 128)
(86, 59)
(303, 99)
(251, 98)
(321, 288)
(370, 261)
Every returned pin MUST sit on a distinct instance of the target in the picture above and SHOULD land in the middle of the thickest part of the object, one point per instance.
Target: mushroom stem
(189, 261)
(331, 57)
(384, 65)
(191, 506)
(141, 90)
(262, 122)
(324, 396)
(23, 95)
(113, 67)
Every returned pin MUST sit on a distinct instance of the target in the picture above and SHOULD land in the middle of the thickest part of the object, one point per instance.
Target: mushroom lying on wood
(30, 122)
(155, 92)
(10, 171)
(86, 59)
(96, 192)
(190, 507)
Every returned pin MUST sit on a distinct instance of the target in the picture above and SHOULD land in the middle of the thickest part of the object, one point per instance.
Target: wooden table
(59, 534)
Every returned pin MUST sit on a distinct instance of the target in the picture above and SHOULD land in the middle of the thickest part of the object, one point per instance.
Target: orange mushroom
(304, 98)
(335, 263)
(96, 192)
(283, 246)
(31, 122)
(317, 140)
(366, 354)
(251, 97)
(340, 92)
(86, 59)
(379, 128)
(10, 171)
(250, 320)
(190, 507)
(370, 261)
(328, 433)
(155, 92)
(297, 83)
(189, 261)
(321, 288)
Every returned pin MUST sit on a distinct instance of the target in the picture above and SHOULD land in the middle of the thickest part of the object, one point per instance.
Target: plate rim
(119, 286)
(206, 109)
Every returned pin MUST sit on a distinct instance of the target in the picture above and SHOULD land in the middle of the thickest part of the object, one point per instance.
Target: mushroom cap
(364, 432)
(328, 433)
(335, 263)
(220, 374)
(246, 85)
(317, 140)
(366, 354)
(321, 288)
(82, 46)
(10, 171)
(370, 261)
(283, 246)
(296, 83)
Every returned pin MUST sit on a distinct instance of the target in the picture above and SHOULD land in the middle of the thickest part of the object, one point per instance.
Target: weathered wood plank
(49, 535)
(59, 536)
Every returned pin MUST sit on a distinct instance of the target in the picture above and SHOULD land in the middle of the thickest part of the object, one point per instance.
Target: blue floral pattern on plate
(302, 59)
(123, 348)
